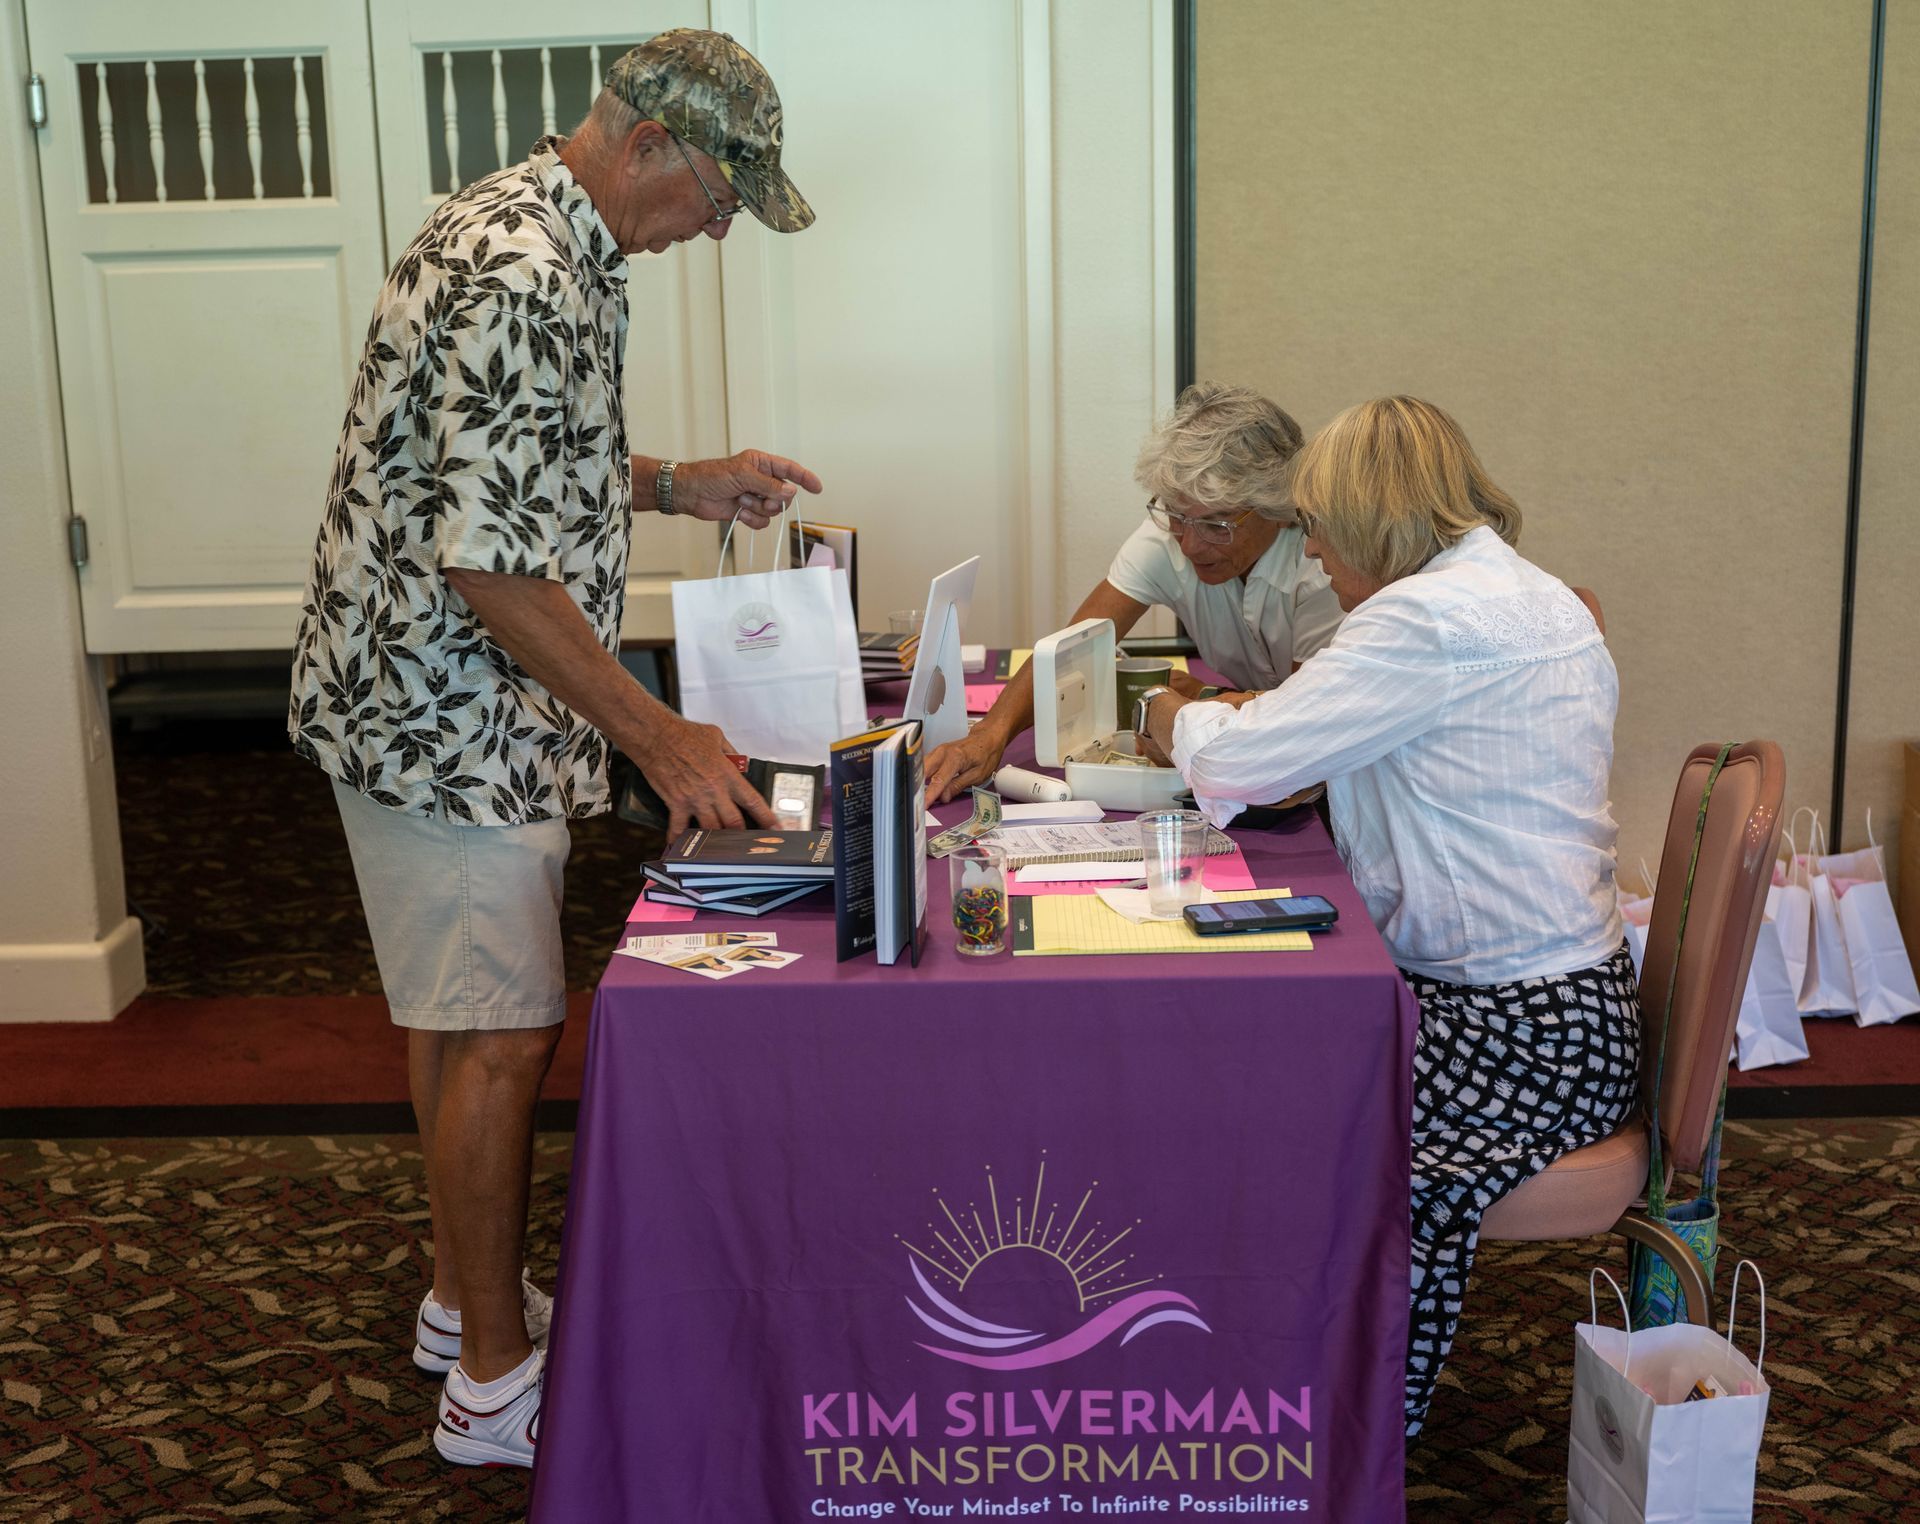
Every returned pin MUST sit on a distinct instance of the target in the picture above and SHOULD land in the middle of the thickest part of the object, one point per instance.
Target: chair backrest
(1737, 849)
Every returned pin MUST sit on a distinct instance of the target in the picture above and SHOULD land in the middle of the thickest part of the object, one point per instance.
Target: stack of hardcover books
(887, 656)
(741, 872)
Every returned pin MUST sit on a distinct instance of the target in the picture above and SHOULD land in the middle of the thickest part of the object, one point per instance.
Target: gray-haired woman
(1218, 547)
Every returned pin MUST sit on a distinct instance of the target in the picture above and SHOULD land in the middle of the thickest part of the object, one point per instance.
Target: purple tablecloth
(801, 1275)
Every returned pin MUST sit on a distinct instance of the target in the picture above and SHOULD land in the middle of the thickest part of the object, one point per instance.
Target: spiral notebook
(1111, 841)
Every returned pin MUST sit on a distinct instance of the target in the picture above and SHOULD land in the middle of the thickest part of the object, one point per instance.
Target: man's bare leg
(482, 1170)
(425, 1055)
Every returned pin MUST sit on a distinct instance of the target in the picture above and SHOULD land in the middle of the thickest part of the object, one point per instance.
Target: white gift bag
(1768, 1030)
(1810, 928)
(772, 658)
(1636, 914)
(1638, 1453)
(1883, 983)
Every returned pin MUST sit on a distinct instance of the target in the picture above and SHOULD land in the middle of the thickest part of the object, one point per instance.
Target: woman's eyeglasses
(1213, 531)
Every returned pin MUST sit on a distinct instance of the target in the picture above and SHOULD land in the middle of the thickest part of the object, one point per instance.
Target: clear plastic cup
(1174, 843)
(979, 879)
(906, 621)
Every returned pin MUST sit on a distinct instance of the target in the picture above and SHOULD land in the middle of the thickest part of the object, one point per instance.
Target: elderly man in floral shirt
(454, 673)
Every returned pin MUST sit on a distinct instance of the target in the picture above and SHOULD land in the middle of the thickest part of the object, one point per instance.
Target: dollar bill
(985, 817)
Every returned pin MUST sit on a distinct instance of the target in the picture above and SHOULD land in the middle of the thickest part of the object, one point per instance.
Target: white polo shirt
(1250, 630)
(1462, 720)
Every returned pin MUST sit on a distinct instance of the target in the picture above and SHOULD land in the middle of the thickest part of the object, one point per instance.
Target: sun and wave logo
(1076, 1279)
(756, 630)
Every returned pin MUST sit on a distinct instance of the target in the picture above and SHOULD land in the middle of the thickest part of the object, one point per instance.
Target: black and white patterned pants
(1506, 1079)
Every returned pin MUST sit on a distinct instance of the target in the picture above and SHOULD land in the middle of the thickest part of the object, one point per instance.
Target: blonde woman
(1218, 547)
(1462, 718)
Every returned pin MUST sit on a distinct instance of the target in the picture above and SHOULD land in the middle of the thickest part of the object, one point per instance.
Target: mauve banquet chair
(1600, 1188)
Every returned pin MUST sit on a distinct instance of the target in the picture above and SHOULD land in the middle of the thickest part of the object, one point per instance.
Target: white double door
(221, 212)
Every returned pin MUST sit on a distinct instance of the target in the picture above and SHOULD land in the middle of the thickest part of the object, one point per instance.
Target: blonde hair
(1221, 447)
(1391, 483)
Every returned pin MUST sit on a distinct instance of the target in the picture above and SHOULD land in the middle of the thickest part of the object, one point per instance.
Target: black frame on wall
(1186, 104)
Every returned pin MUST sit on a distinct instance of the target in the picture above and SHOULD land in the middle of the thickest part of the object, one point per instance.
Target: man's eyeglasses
(718, 215)
(1213, 531)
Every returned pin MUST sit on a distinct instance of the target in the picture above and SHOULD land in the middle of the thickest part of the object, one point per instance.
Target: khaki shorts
(465, 919)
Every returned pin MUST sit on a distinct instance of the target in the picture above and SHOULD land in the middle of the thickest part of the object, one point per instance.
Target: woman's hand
(963, 764)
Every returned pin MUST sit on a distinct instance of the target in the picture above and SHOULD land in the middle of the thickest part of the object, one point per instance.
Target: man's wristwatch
(1145, 702)
(663, 487)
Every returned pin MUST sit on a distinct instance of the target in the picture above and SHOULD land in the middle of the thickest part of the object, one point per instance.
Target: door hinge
(77, 547)
(36, 101)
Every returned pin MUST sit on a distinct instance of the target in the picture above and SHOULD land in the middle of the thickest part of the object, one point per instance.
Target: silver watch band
(1145, 702)
(663, 487)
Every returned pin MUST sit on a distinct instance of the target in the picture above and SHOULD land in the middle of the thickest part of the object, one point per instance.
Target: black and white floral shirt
(485, 430)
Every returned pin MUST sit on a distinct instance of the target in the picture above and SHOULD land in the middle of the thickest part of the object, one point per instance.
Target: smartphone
(1300, 912)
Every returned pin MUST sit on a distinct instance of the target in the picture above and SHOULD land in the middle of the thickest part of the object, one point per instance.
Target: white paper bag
(1637, 1453)
(1636, 914)
(772, 658)
(1883, 983)
(1810, 930)
(1768, 1030)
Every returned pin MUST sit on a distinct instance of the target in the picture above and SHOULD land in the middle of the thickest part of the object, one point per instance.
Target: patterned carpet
(237, 863)
(217, 1329)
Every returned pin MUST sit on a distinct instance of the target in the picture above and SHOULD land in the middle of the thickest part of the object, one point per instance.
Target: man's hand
(753, 484)
(963, 764)
(1185, 684)
(688, 765)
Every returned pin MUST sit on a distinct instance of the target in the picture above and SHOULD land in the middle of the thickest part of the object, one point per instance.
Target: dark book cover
(712, 888)
(758, 902)
(760, 854)
(850, 787)
(792, 789)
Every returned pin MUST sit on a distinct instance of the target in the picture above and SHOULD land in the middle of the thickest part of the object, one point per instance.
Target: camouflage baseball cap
(707, 90)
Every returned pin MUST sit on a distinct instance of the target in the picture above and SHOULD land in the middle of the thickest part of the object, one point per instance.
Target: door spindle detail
(546, 92)
(104, 110)
(450, 119)
(253, 133)
(303, 126)
(499, 115)
(156, 138)
(203, 126)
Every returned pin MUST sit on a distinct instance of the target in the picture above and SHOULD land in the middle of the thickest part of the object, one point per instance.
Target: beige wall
(1884, 707)
(1620, 243)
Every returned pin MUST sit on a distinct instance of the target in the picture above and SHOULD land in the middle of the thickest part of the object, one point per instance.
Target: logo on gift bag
(1610, 1434)
(1010, 1286)
(756, 630)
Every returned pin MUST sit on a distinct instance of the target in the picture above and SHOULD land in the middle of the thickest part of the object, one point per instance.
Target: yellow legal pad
(1071, 925)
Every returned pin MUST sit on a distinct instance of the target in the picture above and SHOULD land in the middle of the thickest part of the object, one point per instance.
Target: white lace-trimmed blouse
(1462, 719)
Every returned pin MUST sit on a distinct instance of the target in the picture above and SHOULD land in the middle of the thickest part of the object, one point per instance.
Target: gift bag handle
(1626, 1320)
(753, 562)
(1733, 1301)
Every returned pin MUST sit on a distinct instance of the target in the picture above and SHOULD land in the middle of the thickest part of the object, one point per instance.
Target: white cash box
(1075, 728)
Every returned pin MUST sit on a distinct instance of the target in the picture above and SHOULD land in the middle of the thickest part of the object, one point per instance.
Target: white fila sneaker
(496, 1431)
(436, 1329)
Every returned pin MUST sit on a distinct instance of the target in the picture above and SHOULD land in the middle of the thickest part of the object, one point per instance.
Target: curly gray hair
(1221, 447)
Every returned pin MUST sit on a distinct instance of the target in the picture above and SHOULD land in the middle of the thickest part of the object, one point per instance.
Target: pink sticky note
(645, 909)
(980, 696)
(1227, 871)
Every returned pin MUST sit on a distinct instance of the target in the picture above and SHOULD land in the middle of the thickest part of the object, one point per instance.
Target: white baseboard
(73, 981)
